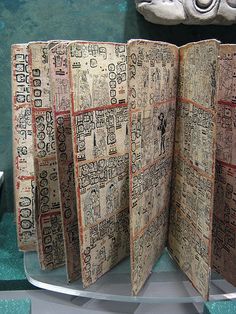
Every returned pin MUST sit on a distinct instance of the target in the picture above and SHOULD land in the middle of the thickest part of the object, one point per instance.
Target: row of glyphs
(115, 148)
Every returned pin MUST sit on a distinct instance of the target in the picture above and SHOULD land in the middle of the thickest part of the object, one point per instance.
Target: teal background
(101, 20)
(22, 306)
(220, 307)
(12, 274)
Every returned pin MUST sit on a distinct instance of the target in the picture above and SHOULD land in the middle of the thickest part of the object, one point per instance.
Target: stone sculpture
(172, 12)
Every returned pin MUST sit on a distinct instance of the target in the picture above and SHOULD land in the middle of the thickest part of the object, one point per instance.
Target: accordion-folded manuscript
(123, 149)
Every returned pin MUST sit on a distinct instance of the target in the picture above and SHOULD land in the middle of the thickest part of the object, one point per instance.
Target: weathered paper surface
(152, 72)
(194, 162)
(60, 97)
(224, 218)
(23, 162)
(98, 73)
(48, 209)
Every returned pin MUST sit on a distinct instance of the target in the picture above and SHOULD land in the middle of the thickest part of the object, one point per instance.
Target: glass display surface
(166, 284)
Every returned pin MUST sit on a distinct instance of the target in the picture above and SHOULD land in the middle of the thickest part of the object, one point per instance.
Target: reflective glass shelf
(166, 284)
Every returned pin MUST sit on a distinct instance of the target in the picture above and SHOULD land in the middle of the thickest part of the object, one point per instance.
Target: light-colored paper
(98, 74)
(23, 162)
(190, 230)
(152, 70)
(224, 222)
(60, 98)
(92, 148)
(48, 210)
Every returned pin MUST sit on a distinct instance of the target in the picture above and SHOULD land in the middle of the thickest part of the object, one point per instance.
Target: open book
(123, 149)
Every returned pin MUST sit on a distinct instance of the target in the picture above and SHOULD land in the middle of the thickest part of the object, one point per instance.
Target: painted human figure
(95, 203)
(99, 146)
(92, 207)
(112, 198)
(162, 128)
(85, 94)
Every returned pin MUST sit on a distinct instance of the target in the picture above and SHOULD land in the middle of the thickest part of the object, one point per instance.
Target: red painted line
(226, 164)
(156, 104)
(41, 109)
(19, 106)
(65, 112)
(170, 100)
(203, 173)
(227, 103)
(26, 178)
(186, 100)
(105, 107)
(48, 214)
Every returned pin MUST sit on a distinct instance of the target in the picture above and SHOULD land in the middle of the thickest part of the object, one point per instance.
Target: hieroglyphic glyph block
(60, 97)
(224, 222)
(112, 156)
(98, 74)
(152, 78)
(190, 230)
(48, 209)
(23, 161)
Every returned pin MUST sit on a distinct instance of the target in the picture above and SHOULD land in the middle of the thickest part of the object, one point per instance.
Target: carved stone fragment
(172, 12)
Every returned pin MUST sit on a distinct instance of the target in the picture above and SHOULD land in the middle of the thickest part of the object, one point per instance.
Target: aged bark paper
(194, 162)
(152, 72)
(224, 218)
(48, 209)
(98, 74)
(23, 161)
(60, 98)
